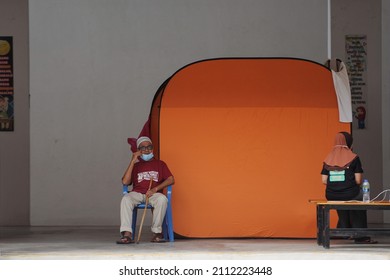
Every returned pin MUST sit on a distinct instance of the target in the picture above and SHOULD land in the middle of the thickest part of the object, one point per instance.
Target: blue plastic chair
(167, 225)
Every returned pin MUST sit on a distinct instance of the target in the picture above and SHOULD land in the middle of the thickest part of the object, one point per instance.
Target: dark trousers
(352, 218)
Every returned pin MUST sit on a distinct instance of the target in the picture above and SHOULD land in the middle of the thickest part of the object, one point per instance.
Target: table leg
(320, 227)
(326, 225)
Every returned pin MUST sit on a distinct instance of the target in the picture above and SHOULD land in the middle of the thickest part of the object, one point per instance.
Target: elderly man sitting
(144, 171)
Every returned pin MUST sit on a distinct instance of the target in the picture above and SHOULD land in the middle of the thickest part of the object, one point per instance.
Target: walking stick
(143, 215)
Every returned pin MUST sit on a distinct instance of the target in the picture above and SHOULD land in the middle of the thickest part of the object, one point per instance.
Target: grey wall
(96, 65)
(363, 17)
(386, 98)
(14, 146)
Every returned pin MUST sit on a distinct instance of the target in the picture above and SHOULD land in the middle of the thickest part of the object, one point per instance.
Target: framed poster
(6, 84)
(356, 61)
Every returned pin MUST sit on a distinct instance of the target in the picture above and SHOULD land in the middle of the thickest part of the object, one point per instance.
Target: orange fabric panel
(245, 139)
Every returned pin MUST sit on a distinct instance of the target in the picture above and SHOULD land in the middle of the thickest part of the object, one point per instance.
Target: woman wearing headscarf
(342, 174)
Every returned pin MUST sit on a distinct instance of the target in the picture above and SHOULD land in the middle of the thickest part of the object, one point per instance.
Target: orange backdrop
(245, 139)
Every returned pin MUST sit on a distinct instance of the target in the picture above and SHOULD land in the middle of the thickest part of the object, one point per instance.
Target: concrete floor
(98, 243)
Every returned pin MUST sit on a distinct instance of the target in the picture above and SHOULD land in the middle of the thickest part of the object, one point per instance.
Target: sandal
(125, 240)
(365, 241)
(158, 238)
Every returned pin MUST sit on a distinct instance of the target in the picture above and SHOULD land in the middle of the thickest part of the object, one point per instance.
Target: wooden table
(324, 232)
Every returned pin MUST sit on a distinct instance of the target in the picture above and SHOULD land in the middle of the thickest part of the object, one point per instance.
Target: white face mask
(147, 157)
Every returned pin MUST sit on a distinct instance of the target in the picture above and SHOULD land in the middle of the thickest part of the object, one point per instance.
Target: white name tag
(337, 176)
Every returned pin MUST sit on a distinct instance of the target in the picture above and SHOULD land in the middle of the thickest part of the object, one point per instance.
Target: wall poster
(6, 84)
(356, 61)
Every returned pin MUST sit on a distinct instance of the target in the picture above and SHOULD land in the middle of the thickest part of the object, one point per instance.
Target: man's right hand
(126, 179)
(135, 156)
